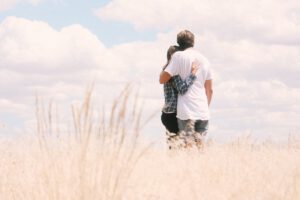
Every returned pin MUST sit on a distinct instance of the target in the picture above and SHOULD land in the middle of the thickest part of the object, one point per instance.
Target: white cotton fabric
(193, 104)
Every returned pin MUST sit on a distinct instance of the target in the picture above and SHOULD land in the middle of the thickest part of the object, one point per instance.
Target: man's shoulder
(192, 52)
(182, 54)
(203, 59)
(178, 54)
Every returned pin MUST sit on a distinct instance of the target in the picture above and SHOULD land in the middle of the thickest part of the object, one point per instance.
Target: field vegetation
(107, 159)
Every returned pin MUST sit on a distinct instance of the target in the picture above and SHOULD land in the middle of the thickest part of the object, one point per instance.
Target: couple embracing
(188, 92)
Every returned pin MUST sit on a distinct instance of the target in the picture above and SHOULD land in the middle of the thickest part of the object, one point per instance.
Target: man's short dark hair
(185, 39)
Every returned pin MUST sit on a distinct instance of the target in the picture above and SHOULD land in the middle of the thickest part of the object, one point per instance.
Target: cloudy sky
(54, 48)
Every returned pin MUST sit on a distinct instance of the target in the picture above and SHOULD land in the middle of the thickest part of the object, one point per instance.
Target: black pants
(169, 120)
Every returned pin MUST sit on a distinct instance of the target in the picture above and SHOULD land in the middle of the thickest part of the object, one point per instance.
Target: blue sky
(56, 47)
(61, 13)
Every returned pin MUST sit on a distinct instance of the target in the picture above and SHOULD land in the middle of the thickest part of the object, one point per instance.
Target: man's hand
(164, 77)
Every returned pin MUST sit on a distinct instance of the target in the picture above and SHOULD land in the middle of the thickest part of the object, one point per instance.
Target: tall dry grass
(105, 158)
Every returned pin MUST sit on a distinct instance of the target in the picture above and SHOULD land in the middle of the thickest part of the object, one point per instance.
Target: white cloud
(35, 42)
(6, 4)
(256, 85)
(6, 105)
(263, 21)
(37, 59)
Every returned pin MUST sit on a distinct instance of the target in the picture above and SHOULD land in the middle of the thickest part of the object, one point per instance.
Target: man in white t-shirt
(192, 107)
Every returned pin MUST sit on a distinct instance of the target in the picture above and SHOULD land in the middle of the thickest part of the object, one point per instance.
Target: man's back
(193, 105)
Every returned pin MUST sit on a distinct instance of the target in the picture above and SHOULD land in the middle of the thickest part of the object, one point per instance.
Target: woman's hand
(195, 67)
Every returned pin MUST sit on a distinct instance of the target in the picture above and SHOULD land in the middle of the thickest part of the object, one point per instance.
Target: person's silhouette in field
(172, 88)
(193, 106)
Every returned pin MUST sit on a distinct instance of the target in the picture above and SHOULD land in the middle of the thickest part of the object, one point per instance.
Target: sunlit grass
(105, 158)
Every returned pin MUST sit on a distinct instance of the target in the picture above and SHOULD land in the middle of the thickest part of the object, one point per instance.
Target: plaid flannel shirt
(171, 89)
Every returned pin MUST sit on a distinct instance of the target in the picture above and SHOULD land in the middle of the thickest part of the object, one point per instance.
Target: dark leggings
(169, 120)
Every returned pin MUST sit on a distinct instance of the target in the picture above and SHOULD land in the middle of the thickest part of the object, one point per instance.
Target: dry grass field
(108, 161)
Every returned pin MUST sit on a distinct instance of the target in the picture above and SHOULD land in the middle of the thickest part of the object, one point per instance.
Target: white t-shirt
(193, 104)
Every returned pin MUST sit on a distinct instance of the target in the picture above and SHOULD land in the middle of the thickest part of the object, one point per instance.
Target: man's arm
(208, 90)
(164, 77)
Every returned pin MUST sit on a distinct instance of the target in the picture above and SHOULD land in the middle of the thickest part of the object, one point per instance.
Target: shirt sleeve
(173, 66)
(182, 86)
(209, 75)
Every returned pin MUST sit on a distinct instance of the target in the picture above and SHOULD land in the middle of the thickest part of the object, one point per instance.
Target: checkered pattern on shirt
(171, 89)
